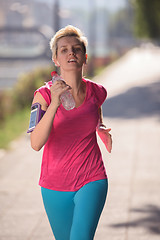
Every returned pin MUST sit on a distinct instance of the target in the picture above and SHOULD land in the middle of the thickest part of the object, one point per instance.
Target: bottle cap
(53, 73)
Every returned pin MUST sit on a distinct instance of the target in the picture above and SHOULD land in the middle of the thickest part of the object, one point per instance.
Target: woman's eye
(77, 49)
(64, 50)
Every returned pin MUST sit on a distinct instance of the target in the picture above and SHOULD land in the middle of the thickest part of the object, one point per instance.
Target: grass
(13, 127)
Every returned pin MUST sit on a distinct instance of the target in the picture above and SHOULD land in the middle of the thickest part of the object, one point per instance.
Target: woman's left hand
(105, 136)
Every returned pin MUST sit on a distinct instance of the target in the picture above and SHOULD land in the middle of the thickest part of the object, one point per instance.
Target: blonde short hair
(68, 31)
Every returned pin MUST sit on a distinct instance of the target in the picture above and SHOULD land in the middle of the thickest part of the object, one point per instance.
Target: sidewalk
(132, 210)
(132, 111)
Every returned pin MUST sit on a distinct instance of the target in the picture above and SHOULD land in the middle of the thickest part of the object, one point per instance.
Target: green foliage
(15, 104)
(121, 23)
(27, 84)
(147, 18)
(22, 94)
(13, 126)
(6, 105)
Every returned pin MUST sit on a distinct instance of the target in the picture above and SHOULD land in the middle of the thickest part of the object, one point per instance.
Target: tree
(121, 23)
(147, 18)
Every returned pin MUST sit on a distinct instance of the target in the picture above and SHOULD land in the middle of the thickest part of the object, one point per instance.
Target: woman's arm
(101, 116)
(40, 134)
(42, 130)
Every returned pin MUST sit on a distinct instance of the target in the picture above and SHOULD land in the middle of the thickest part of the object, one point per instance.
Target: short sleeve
(45, 92)
(100, 93)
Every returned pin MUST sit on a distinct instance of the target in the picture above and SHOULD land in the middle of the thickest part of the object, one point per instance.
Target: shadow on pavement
(136, 102)
(151, 221)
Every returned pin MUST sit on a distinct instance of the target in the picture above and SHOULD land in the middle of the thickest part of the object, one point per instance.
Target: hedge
(21, 95)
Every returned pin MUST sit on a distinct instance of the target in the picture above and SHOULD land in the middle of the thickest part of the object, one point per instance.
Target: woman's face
(70, 54)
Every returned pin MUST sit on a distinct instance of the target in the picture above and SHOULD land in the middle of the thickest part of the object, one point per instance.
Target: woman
(73, 179)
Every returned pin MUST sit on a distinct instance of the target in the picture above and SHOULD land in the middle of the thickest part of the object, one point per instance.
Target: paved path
(132, 211)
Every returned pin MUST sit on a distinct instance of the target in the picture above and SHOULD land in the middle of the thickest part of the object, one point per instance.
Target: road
(132, 210)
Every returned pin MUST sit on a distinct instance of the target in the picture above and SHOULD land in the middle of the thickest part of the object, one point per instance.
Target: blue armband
(36, 115)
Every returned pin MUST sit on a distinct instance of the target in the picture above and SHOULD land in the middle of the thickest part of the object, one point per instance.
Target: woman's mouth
(72, 60)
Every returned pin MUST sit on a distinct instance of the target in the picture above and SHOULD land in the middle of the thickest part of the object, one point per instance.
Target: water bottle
(66, 97)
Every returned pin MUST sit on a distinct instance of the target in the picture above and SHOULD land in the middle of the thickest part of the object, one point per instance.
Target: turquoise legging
(75, 215)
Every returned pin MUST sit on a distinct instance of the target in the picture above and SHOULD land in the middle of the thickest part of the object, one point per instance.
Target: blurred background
(113, 28)
(27, 26)
(124, 56)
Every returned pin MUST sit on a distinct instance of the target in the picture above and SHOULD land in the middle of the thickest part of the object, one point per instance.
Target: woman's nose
(72, 52)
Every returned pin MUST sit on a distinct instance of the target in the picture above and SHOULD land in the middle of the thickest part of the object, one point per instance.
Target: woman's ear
(86, 57)
(56, 62)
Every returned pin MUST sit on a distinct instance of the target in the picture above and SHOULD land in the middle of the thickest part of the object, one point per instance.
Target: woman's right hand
(57, 88)
(40, 134)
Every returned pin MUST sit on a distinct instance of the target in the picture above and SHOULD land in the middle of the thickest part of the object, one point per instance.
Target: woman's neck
(74, 80)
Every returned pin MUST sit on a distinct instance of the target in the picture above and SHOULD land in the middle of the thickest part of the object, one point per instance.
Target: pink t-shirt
(71, 156)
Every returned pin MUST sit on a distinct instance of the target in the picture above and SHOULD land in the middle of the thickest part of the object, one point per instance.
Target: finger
(65, 88)
(55, 88)
(69, 87)
(108, 130)
(109, 146)
(64, 85)
(105, 129)
(61, 82)
(58, 83)
(102, 127)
